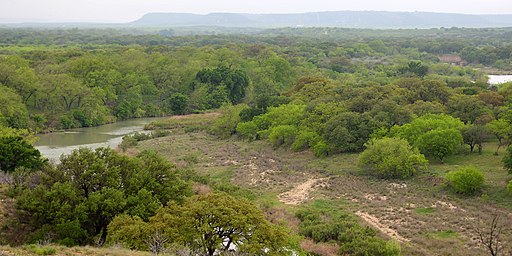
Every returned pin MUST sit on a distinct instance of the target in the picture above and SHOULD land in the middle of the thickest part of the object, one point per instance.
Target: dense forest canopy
(401, 98)
(76, 77)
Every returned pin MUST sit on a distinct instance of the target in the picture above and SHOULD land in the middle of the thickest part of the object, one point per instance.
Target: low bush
(305, 140)
(325, 225)
(40, 250)
(466, 180)
(282, 135)
(247, 130)
(391, 158)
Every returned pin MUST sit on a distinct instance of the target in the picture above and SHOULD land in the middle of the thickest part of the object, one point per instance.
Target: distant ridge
(350, 19)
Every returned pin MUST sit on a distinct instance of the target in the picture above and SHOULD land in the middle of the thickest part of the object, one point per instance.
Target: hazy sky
(129, 10)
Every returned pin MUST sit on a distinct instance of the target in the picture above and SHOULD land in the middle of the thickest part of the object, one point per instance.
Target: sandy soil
(301, 192)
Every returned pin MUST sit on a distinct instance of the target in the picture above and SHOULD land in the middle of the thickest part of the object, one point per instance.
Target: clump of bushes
(466, 180)
(324, 225)
(282, 135)
(509, 187)
(40, 249)
(132, 140)
(391, 158)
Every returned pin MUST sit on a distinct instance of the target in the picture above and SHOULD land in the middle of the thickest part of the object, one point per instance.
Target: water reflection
(53, 145)
(499, 79)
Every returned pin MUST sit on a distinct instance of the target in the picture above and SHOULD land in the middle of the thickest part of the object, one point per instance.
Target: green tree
(16, 152)
(467, 108)
(247, 130)
(421, 125)
(502, 130)
(226, 124)
(424, 90)
(414, 68)
(178, 103)
(475, 135)
(13, 112)
(92, 187)
(466, 180)
(507, 160)
(210, 223)
(282, 135)
(305, 139)
(348, 131)
(391, 158)
(218, 221)
(439, 143)
(234, 81)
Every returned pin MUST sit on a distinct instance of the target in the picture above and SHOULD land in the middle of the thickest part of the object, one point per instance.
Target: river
(53, 145)
(499, 79)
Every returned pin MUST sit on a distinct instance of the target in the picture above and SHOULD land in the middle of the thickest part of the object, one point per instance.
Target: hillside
(352, 19)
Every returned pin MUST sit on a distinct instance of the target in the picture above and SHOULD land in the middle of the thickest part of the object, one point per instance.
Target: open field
(31, 250)
(422, 213)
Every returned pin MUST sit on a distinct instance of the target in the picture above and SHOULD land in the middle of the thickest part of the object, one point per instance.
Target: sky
(113, 11)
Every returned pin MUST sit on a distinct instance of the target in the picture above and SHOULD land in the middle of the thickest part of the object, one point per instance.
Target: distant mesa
(350, 19)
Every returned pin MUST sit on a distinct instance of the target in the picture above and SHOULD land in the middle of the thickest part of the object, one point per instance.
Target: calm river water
(499, 79)
(53, 145)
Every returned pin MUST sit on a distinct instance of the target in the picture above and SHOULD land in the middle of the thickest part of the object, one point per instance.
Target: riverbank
(53, 145)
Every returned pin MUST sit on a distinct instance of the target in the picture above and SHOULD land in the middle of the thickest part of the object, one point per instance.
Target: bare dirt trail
(300, 193)
(375, 223)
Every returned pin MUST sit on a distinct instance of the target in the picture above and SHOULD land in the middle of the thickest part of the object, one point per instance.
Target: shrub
(466, 180)
(67, 123)
(178, 103)
(160, 133)
(282, 135)
(40, 250)
(226, 124)
(440, 143)
(326, 225)
(247, 114)
(128, 141)
(140, 136)
(321, 149)
(16, 152)
(131, 232)
(509, 187)
(82, 118)
(391, 158)
(305, 140)
(247, 130)
(507, 160)
(370, 246)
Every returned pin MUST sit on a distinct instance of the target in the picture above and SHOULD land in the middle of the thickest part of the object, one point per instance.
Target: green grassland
(430, 218)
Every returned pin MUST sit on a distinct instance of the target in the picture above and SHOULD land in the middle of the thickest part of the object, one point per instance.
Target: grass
(426, 210)
(496, 177)
(190, 123)
(410, 207)
(34, 250)
(40, 249)
(446, 234)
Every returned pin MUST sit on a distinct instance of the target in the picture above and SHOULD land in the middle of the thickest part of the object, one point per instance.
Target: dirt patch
(300, 193)
(376, 223)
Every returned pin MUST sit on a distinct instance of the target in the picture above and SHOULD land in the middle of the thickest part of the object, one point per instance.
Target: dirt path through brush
(300, 193)
(375, 222)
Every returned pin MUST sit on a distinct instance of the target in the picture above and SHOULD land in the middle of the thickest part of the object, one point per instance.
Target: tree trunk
(103, 237)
